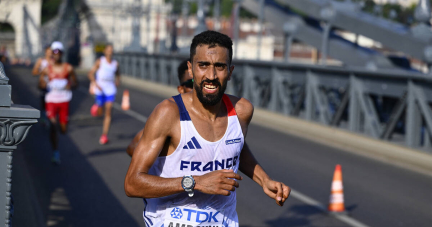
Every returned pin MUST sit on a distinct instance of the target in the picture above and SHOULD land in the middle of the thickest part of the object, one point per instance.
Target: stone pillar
(15, 122)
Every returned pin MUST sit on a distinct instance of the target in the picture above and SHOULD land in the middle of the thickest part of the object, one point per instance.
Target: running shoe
(56, 158)
(103, 139)
(45, 122)
(94, 110)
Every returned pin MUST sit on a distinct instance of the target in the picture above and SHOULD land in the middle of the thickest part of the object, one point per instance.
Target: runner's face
(48, 52)
(211, 71)
(57, 55)
(108, 50)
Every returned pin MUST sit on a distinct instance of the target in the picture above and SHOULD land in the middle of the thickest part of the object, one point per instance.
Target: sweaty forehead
(211, 53)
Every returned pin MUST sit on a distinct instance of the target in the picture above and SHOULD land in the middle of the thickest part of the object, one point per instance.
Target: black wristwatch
(188, 184)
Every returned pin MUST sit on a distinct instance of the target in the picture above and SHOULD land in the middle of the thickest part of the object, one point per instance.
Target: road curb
(344, 140)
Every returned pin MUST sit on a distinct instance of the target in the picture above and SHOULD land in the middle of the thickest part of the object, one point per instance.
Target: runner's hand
(277, 191)
(117, 81)
(219, 182)
(97, 86)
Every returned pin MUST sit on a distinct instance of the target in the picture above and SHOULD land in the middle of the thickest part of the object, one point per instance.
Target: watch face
(187, 182)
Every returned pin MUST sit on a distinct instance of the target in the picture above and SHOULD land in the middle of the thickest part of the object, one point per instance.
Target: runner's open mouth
(210, 87)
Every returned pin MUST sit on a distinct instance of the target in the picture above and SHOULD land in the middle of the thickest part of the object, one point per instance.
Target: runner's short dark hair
(181, 70)
(212, 39)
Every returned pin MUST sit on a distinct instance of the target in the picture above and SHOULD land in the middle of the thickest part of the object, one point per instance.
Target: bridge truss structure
(385, 104)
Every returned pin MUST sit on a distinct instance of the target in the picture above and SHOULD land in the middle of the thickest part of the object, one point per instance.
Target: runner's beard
(210, 99)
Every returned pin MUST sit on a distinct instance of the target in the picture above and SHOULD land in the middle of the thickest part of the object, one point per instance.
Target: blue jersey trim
(184, 115)
(145, 217)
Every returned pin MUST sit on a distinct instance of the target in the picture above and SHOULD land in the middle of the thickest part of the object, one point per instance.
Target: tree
(49, 9)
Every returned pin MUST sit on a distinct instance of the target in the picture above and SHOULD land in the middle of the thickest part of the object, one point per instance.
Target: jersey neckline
(184, 116)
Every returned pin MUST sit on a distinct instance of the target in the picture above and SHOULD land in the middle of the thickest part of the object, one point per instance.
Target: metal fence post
(134, 66)
(163, 71)
(413, 119)
(152, 67)
(173, 74)
(143, 71)
(354, 106)
(15, 122)
(309, 105)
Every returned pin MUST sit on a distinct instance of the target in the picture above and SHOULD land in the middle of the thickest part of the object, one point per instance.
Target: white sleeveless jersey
(196, 156)
(43, 65)
(105, 77)
(57, 86)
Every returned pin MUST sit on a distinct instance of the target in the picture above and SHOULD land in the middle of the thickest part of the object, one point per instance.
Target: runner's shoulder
(242, 106)
(166, 111)
(69, 67)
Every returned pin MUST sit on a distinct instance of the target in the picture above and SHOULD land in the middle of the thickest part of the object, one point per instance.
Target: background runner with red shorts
(61, 78)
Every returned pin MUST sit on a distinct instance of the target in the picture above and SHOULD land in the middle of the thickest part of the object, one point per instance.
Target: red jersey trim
(62, 75)
(230, 108)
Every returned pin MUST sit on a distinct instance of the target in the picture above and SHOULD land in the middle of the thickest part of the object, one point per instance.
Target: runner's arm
(73, 78)
(117, 76)
(138, 182)
(36, 67)
(91, 74)
(250, 166)
(42, 82)
(134, 143)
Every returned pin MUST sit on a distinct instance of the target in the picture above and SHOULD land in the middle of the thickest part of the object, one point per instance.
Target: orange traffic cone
(336, 203)
(125, 105)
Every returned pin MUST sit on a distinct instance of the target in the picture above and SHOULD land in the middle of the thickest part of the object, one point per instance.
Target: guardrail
(15, 122)
(391, 105)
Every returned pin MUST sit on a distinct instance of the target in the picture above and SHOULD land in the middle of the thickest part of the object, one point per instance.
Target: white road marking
(298, 195)
(59, 203)
(131, 113)
(341, 217)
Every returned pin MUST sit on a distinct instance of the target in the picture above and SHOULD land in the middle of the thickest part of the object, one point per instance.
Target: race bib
(57, 84)
(188, 217)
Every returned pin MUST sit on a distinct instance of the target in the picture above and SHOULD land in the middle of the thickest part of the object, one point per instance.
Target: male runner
(106, 81)
(41, 64)
(61, 79)
(186, 85)
(195, 143)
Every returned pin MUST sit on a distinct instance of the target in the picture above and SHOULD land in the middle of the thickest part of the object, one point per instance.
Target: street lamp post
(15, 122)
(216, 14)
(136, 11)
(201, 18)
(236, 26)
(260, 22)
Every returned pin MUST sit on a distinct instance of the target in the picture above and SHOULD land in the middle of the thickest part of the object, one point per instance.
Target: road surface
(87, 188)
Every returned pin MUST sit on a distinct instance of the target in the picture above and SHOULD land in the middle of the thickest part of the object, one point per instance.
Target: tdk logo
(176, 213)
(228, 142)
(195, 215)
(191, 143)
(209, 166)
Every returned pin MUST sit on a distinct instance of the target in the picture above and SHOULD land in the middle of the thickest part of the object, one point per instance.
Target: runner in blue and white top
(185, 165)
(105, 77)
